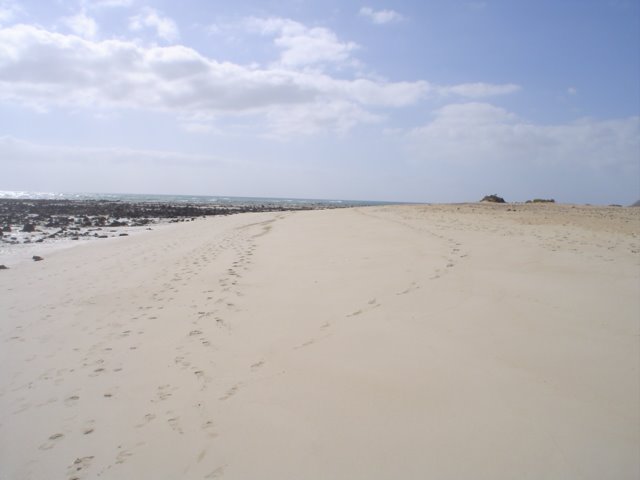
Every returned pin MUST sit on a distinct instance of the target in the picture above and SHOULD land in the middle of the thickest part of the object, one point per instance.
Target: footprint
(412, 287)
(122, 456)
(148, 418)
(231, 392)
(208, 427)
(163, 392)
(53, 439)
(72, 400)
(257, 365)
(175, 425)
(79, 464)
(181, 361)
(217, 473)
(305, 344)
(88, 429)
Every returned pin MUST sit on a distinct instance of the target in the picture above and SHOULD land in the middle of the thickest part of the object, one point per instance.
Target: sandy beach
(471, 341)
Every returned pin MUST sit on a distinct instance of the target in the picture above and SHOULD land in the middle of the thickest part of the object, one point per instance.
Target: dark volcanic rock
(37, 258)
(71, 219)
(4, 267)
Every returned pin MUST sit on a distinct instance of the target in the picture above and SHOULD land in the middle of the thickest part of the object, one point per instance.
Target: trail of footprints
(455, 248)
(203, 316)
(456, 253)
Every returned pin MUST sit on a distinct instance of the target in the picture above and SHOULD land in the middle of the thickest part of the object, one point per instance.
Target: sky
(406, 100)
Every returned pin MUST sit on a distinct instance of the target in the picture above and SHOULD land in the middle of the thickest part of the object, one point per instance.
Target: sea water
(195, 199)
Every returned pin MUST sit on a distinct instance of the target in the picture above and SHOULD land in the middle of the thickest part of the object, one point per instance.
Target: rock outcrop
(493, 199)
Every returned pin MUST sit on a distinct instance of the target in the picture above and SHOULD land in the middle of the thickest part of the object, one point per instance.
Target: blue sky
(432, 101)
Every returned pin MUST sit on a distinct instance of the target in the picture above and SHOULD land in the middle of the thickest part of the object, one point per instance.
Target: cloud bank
(46, 69)
(16, 150)
(483, 134)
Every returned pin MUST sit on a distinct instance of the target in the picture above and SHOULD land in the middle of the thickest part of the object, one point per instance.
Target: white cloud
(478, 90)
(572, 91)
(482, 134)
(164, 26)
(371, 93)
(42, 69)
(381, 17)
(82, 25)
(302, 45)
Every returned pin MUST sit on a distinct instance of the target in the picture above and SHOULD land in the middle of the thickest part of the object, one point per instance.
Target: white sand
(444, 342)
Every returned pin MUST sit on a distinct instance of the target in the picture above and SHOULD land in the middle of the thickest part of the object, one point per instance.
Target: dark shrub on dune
(541, 200)
(493, 199)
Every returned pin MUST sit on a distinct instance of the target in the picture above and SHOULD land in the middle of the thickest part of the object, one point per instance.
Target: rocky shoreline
(25, 221)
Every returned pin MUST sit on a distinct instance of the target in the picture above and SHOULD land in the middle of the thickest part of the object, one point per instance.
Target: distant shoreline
(196, 199)
(33, 222)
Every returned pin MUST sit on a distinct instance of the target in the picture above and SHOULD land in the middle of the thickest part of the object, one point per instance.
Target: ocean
(194, 199)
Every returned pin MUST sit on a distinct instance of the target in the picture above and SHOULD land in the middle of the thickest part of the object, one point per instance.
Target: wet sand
(454, 341)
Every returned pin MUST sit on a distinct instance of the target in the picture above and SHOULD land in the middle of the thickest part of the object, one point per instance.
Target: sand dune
(449, 342)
